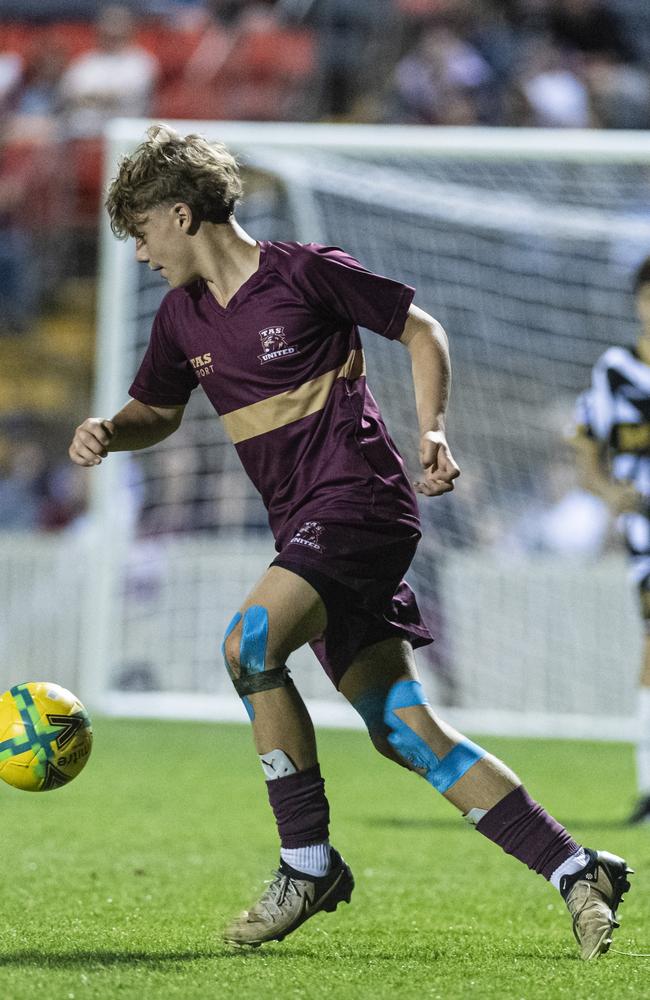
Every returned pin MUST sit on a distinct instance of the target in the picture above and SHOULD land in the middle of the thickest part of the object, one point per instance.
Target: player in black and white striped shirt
(612, 443)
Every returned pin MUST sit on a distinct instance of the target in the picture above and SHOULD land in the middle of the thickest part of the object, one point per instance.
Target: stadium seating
(263, 78)
(73, 37)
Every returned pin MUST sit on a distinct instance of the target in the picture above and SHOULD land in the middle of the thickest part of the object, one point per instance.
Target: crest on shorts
(274, 344)
(309, 536)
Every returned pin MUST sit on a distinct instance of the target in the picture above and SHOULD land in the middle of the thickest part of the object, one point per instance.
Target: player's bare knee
(370, 707)
(231, 651)
(380, 742)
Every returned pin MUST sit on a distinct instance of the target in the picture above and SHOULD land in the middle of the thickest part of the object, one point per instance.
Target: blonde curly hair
(169, 167)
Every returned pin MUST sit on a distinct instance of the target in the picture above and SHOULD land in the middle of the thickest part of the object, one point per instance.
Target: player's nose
(141, 254)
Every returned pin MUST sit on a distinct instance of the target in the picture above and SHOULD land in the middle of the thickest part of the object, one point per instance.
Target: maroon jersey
(282, 365)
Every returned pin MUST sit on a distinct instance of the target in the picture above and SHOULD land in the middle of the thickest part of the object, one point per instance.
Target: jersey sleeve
(165, 376)
(338, 285)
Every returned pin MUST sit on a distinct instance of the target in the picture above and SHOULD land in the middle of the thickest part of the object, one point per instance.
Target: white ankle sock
(313, 860)
(643, 744)
(573, 864)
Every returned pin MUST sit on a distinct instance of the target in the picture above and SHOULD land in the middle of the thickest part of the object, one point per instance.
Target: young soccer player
(612, 443)
(269, 330)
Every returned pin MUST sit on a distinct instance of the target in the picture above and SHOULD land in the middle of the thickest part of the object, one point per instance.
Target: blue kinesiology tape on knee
(254, 638)
(370, 706)
(252, 648)
(441, 772)
(252, 645)
(410, 746)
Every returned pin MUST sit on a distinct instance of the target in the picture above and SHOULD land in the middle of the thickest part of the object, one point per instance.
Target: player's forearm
(431, 367)
(140, 426)
(135, 426)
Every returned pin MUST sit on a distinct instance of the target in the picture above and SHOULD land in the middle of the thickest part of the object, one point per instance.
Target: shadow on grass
(97, 960)
(427, 954)
(102, 959)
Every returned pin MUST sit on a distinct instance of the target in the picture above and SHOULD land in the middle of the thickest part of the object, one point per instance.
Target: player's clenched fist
(91, 440)
(438, 465)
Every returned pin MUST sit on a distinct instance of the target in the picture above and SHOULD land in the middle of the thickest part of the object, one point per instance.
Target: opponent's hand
(438, 465)
(623, 498)
(91, 440)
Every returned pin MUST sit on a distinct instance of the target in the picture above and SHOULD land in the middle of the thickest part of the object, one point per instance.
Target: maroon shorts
(357, 570)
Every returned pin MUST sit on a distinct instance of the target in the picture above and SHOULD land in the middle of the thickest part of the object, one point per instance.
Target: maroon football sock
(301, 808)
(524, 829)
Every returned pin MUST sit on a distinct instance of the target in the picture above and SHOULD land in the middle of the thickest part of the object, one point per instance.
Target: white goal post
(522, 243)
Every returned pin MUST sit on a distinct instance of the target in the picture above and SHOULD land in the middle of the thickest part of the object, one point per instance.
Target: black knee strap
(262, 680)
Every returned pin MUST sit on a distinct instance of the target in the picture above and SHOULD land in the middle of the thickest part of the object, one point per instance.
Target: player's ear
(183, 217)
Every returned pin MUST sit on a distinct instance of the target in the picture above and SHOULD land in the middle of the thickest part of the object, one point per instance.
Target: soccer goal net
(522, 244)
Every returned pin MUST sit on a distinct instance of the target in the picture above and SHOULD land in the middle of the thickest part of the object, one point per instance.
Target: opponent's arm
(429, 349)
(137, 425)
(594, 476)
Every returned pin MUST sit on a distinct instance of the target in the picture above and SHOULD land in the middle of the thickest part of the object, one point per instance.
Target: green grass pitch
(117, 885)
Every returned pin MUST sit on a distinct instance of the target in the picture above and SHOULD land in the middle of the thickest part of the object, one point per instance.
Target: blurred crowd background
(66, 66)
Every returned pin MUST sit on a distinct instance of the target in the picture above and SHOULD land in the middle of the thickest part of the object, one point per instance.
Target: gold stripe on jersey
(631, 437)
(285, 408)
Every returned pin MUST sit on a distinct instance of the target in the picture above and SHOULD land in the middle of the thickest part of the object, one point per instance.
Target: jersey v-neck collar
(245, 288)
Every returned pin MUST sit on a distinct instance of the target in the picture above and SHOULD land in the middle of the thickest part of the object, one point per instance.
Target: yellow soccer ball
(45, 736)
